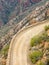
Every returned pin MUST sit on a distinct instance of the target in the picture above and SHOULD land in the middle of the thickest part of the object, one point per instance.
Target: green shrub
(38, 39)
(35, 55)
(35, 40)
(46, 27)
(4, 51)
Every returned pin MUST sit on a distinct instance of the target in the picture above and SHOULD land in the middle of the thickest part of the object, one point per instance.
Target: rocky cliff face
(11, 8)
(6, 7)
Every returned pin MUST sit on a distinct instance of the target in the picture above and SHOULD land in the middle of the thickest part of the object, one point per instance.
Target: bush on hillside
(44, 36)
(46, 28)
(4, 50)
(35, 40)
(38, 39)
(35, 55)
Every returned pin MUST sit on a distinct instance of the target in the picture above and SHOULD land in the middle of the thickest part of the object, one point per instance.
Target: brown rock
(3, 61)
(46, 45)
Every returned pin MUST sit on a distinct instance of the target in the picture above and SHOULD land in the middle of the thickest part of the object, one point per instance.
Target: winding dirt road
(19, 45)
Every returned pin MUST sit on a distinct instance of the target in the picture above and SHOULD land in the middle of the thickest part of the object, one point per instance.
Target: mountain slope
(11, 8)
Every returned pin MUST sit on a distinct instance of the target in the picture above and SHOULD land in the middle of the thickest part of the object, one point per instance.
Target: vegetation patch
(46, 27)
(38, 39)
(4, 51)
(35, 56)
(40, 48)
